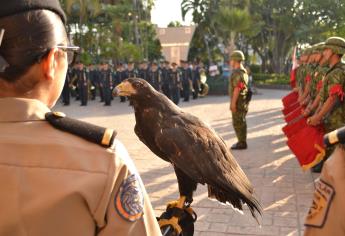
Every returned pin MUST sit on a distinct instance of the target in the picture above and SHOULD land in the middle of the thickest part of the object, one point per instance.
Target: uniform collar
(22, 109)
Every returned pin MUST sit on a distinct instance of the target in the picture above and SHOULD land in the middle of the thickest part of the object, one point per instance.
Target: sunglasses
(72, 52)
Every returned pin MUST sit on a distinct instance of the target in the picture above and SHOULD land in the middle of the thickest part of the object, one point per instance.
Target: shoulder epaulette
(92, 133)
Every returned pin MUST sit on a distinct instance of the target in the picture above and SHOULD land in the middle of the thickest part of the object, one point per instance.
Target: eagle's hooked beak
(124, 89)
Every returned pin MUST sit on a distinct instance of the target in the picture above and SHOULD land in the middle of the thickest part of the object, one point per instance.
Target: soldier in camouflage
(331, 111)
(317, 80)
(302, 72)
(238, 91)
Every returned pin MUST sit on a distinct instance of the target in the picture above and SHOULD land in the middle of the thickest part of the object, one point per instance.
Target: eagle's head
(133, 87)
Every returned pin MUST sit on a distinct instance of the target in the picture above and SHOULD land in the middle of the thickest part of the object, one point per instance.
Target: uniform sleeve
(325, 216)
(336, 86)
(238, 81)
(128, 209)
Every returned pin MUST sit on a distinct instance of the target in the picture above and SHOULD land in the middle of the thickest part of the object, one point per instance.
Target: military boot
(239, 146)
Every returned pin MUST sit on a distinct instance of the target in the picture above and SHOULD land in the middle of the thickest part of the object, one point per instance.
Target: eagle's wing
(202, 155)
(150, 142)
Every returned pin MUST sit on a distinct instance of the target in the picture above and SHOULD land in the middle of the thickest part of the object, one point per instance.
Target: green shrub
(276, 79)
(218, 85)
(255, 69)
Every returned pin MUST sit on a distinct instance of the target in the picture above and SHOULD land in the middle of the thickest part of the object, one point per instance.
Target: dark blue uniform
(196, 82)
(93, 77)
(175, 84)
(108, 85)
(66, 93)
(186, 78)
(144, 74)
(83, 85)
(155, 79)
(131, 74)
(165, 76)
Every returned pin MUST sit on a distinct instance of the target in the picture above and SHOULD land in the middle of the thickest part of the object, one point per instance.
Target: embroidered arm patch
(129, 201)
(323, 197)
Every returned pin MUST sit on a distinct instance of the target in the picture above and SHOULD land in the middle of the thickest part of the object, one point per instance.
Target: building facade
(175, 42)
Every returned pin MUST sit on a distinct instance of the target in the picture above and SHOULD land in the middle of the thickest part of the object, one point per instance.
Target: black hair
(29, 36)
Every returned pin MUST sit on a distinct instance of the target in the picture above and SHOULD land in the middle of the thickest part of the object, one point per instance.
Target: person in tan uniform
(326, 214)
(58, 176)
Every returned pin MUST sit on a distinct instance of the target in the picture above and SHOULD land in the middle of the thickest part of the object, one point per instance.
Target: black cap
(13, 7)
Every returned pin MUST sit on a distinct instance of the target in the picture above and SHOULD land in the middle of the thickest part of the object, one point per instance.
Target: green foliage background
(117, 30)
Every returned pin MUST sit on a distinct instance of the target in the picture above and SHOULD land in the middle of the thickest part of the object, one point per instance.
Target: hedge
(268, 79)
(219, 85)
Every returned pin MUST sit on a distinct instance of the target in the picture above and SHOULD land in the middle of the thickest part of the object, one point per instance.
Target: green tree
(230, 21)
(112, 29)
(270, 27)
(175, 24)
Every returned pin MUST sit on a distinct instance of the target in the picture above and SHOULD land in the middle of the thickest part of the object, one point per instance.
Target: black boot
(239, 146)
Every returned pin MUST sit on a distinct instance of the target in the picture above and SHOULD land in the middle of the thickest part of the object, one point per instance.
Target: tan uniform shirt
(326, 215)
(55, 183)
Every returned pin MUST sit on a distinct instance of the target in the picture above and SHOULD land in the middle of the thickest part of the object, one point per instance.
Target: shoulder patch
(129, 201)
(323, 197)
(90, 132)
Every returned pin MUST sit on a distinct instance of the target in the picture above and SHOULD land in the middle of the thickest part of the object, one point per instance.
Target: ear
(49, 64)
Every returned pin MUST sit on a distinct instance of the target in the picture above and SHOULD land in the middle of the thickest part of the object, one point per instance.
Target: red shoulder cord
(307, 78)
(337, 90)
(319, 85)
(240, 85)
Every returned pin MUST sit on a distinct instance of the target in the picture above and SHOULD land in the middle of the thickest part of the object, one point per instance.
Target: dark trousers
(107, 96)
(196, 90)
(122, 99)
(186, 92)
(101, 91)
(83, 94)
(66, 95)
(175, 95)
(166, 91)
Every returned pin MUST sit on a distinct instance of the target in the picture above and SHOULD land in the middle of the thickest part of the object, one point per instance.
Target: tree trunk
(231, 43)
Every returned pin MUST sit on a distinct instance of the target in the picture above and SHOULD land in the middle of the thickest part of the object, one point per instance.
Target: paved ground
(284, 190)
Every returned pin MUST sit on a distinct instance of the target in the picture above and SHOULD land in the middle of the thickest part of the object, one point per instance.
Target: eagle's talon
(172, 204)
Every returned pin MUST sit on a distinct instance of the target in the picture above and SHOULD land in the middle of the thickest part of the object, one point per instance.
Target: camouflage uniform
(334, 84)
(300, 76)
(317, 80)
(239, 79)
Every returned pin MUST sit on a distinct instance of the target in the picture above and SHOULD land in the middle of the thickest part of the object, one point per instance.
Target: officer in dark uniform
(154, 76)
(66, 93)
(175, 83)
(165, 76)
(108, 84)
(100, 81)
(120, 76)
(83, 84)
(186, 79)
(74, 82)
(196, 80)
(131, 72)
(143, 71)
(93, 74)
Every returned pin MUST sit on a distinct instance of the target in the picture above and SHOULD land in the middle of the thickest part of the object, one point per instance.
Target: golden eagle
(196, 152)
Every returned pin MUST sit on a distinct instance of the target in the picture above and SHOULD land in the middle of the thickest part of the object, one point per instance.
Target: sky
(166, 11)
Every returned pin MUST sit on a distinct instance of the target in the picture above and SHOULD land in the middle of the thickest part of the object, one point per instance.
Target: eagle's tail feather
(236, 199)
